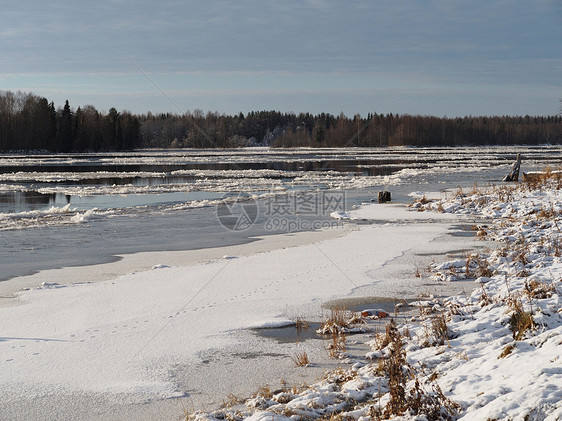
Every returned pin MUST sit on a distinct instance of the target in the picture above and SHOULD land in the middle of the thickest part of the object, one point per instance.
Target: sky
(442, 57)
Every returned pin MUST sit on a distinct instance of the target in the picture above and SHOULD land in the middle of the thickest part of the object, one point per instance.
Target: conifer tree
(66, 140)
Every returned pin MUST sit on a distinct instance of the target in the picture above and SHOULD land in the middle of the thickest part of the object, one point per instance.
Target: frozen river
(68, 210)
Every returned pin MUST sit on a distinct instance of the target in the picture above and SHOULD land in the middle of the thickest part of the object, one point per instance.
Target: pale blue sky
(438, 57)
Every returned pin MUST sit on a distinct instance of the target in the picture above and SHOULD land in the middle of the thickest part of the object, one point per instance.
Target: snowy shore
(492, 355)
(157, 331)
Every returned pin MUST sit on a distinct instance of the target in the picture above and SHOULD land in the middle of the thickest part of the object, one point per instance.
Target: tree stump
(514, 174)
(384, 196)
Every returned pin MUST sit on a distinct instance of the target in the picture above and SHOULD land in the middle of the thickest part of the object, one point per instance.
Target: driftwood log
(514, 174)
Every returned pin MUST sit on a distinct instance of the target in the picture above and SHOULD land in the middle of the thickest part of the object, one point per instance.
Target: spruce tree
(65, 129)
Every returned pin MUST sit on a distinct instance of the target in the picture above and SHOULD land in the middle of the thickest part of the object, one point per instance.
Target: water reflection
(15, 202)
(134, 181)
(30, 200)
(372, 166)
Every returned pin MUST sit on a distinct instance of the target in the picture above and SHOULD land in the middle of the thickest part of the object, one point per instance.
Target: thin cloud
(285, 46)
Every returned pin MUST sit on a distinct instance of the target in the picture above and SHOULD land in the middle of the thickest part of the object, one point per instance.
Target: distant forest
(32, 123)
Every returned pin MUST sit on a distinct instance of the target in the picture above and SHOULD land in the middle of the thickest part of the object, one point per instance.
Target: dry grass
(550, 177)
(505, 194)
(339, 319)
(231, 400)
(264, 391)
(539, 290)
(339, 316)
(556, 248)
(301, 324)
(396, 369)
(506, 351)
(424, 200)
(520, 321)
(383, 339)
(548, 213)
(301, 359)
(297, 389)
(187, 412)
(337, 346)
(481, 233)
(477, 266)
(459, 192)
(483, 268)
(439, 328)
(521, 256)
(340, 376)
(484, 299)
(436, 330)
(433, 405)
(532, 181)
(535, 180)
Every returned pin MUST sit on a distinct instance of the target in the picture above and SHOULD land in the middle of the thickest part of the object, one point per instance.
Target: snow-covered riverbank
(155, 331)
(492, 355)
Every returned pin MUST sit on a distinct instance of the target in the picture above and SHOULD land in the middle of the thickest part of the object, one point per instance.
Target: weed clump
(337, 346)
(539, 290)
(484, 299)
(433, 405)
(301, 359)
(520, 321)
(477, 266)
(340, 320)
(231, 400)
(506, 351)
(301, 324)
(440, 329)
(396, 369)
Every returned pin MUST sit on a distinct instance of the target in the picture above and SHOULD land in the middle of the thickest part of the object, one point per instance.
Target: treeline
(29, 122)
(199, 130)
(272, 128)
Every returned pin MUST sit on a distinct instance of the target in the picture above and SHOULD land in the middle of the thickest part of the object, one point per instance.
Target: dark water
(291, 334)
(376, 167)
(15, 202)
(399, 310)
